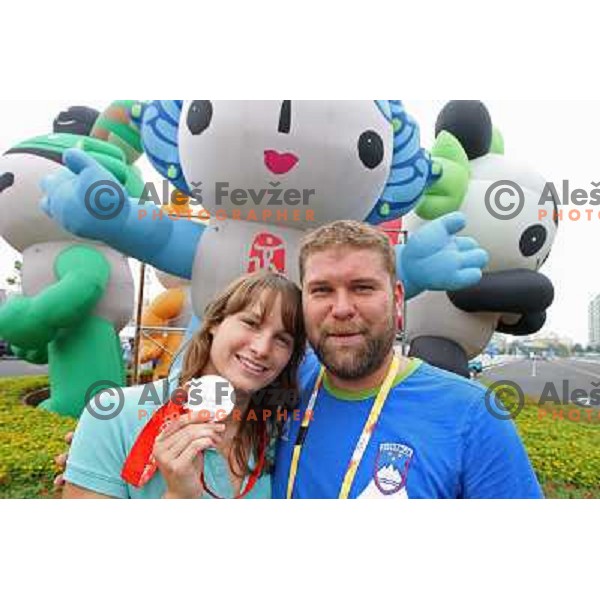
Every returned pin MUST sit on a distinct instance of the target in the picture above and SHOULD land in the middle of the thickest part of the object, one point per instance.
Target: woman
(253, 336)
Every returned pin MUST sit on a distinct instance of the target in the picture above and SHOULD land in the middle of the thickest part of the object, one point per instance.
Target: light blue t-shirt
(100, 448)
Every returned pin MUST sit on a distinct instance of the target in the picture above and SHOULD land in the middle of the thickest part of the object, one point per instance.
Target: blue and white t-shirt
(434, 439)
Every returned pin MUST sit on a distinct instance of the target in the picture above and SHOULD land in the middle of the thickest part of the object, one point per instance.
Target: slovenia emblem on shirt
(391, 472)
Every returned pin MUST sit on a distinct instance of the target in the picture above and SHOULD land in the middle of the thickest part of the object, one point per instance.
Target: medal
(212, 395)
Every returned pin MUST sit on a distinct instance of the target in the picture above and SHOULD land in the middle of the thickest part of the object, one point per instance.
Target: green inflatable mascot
(77, 295)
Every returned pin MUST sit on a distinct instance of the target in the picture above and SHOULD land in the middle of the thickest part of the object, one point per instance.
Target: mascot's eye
(370, 149)
(7, 180)
(532, 240)
(285, 118)
(199, 116)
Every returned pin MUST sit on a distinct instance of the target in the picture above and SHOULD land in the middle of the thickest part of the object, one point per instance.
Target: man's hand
(85, 199)
(434, 258)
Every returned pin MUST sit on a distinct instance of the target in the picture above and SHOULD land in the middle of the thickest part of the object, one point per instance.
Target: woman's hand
(179, 454)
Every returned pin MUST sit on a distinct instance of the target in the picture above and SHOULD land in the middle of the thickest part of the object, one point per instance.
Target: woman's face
(250, 349)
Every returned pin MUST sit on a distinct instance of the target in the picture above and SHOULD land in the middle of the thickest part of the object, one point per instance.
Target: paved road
(16, 368)
(559, 377)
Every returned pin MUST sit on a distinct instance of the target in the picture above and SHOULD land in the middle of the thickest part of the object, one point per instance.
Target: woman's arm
(99, 450)
(73, 492)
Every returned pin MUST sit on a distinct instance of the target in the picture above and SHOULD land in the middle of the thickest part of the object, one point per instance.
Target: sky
(557, 138)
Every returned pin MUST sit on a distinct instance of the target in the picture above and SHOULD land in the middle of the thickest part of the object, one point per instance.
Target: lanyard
(363, 441)
(254, 477)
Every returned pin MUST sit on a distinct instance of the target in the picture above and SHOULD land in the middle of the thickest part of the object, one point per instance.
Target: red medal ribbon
(140, 468)
(254, 476)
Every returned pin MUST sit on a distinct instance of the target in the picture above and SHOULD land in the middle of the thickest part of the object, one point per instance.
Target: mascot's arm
(165, 307)
(528, 324)
(517, 291)
(86, 200)
(31, 323)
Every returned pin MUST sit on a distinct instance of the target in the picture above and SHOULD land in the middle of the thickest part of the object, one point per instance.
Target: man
(378, 425)
(428, 435)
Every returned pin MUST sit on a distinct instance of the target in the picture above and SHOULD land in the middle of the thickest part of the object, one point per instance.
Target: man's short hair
(351, 234)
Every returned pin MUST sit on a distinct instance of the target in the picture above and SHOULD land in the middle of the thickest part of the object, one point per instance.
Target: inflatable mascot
(77, 295)
(449, 329)
(267, 172)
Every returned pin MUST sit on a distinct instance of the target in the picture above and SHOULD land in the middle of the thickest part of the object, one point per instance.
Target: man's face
(350, 308)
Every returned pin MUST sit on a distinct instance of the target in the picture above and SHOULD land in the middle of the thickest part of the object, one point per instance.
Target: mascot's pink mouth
(278, 163)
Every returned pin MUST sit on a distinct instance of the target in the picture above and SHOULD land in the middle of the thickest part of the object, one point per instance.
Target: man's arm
(495, 462)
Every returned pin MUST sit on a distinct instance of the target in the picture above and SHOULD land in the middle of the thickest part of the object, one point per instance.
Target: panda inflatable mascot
(501, 204)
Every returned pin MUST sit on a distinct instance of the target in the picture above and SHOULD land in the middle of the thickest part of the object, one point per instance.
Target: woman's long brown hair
(282, 394)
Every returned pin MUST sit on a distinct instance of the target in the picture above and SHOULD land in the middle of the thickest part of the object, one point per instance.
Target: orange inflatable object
(164, 311)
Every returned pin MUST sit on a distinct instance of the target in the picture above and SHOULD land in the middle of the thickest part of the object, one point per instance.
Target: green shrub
(29, 441)
(565, 453)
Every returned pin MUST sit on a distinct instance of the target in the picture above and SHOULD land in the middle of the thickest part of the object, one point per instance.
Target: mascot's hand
(23, 327)
(434, 258)
(85, 199)
(451, 167)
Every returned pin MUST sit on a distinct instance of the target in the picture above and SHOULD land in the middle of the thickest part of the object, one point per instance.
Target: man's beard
(353, 364)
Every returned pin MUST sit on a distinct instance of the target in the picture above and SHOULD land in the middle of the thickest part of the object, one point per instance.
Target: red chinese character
(267, 253)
